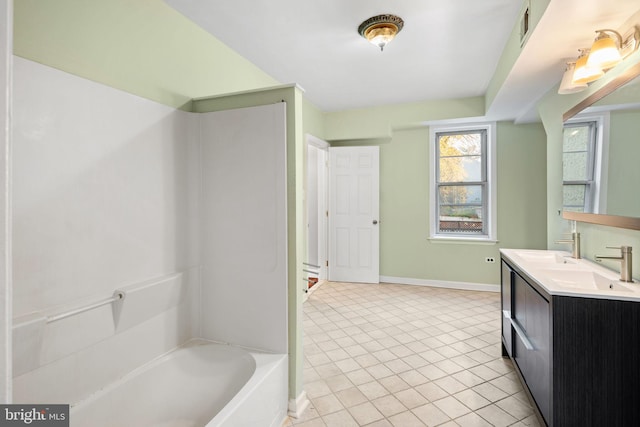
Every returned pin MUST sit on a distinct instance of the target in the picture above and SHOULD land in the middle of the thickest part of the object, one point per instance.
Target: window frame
(595, 194)
(489, 183)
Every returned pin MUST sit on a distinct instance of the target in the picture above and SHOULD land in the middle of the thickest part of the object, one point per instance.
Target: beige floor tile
(496, 416)
(380, 423)
(411, 398)
(340, 419)
(398, 356)
(471, 399)
(327, 404)
(394, 383)
(406, 419)
(373, 390)
(472, 420)
(351, 397)
(452, 407)
(365, 413)
(389, 405)
(430, 415)
(515, 407)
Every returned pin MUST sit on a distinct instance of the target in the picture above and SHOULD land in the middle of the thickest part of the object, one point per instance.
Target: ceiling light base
(381, 29)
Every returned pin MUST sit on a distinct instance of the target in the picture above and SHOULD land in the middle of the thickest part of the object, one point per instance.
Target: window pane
(461, 169)
(575, 166)
(460, 219)
(460, 195)
(576, 138)
(574, 197)
(464, 144)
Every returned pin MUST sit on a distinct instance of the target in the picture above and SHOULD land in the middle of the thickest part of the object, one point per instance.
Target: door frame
(322, 201)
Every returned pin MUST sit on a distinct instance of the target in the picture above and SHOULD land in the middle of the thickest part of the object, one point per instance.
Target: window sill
(463, 240)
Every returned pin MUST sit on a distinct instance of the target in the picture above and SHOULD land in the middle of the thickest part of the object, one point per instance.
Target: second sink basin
(586, 280)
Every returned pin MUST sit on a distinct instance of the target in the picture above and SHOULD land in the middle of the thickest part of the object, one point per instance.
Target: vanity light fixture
(583, 73)
(605, 51)
(567, 86)
(381, 29)
(608, 50)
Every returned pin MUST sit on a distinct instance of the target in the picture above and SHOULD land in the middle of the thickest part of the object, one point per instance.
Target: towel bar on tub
(117, 296)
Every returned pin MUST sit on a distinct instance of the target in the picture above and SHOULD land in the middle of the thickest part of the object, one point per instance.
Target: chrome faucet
(575, 244)
(625, 262)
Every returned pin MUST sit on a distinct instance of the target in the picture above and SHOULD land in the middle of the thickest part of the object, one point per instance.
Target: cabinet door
(538, 332)
(519, 319)
(506, 281)
(532, 342)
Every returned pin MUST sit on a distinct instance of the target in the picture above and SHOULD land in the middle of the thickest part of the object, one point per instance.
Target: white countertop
(559, 274)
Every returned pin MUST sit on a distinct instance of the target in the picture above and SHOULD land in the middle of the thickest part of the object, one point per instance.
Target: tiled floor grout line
(404, 356)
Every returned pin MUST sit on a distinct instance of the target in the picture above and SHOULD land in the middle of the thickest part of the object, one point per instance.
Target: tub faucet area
(575, 244)
(625, 262)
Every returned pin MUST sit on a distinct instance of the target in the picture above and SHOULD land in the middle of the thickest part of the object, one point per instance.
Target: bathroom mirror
(612, 163)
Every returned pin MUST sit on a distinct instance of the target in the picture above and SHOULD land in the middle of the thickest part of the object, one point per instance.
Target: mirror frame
(627, 222)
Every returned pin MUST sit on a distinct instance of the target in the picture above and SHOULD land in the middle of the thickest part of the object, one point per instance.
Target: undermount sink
(585, 280)
(545, 257)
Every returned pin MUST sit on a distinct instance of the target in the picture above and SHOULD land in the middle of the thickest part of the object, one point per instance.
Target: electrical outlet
(490, 259)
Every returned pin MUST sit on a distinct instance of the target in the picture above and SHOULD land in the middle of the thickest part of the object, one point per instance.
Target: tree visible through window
(461, 182)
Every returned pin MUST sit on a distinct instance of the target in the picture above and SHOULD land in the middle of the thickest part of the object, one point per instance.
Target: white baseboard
(313, 289)
(298, 405)
(468, 286)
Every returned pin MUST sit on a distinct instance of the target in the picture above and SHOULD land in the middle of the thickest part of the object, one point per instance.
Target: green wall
(405, 248)
(624, 154)
(143, 47)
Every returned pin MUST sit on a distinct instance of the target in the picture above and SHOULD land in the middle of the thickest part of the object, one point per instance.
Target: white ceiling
(447, 49)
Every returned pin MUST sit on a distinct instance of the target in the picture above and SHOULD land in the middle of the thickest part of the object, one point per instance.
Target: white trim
(316, 142)
(467, 286)
(311, 290)
(601, 167)
(492, 178)
(298, 405)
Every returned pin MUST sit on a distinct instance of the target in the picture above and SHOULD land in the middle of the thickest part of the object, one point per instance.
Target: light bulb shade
(566, 85)
(584, 74)
(604, 53)
(380, 30)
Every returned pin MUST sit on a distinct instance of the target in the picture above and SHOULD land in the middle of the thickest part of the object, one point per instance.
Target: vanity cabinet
(526, 334)
(578, 357)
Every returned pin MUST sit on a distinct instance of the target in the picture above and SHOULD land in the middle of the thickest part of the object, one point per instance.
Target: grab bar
(310, 265)
(116, 297)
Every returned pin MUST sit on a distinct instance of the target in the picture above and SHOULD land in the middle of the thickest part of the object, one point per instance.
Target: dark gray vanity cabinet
(526, 335)
(578, 357)
(532, 341)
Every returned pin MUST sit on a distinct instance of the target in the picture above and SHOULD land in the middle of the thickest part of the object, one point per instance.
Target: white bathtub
(199, 384)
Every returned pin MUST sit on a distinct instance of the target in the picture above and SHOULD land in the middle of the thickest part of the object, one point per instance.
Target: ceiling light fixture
(380, 30)
(605, 51)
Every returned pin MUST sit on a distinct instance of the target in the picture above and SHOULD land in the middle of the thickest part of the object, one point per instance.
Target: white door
(353, 214)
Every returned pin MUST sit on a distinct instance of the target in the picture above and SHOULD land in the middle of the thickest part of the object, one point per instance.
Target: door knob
(375, 222)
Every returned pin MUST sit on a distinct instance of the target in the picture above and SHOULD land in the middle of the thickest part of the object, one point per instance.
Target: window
(582, 149)
(463, 202)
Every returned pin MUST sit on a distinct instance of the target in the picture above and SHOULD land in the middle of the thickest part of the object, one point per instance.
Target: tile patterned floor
(405, 356)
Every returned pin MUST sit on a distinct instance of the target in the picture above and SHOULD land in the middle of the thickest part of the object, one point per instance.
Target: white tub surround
(244, 227)
(560, 274)
(6, 60)
(182, 214)
(201, 383)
